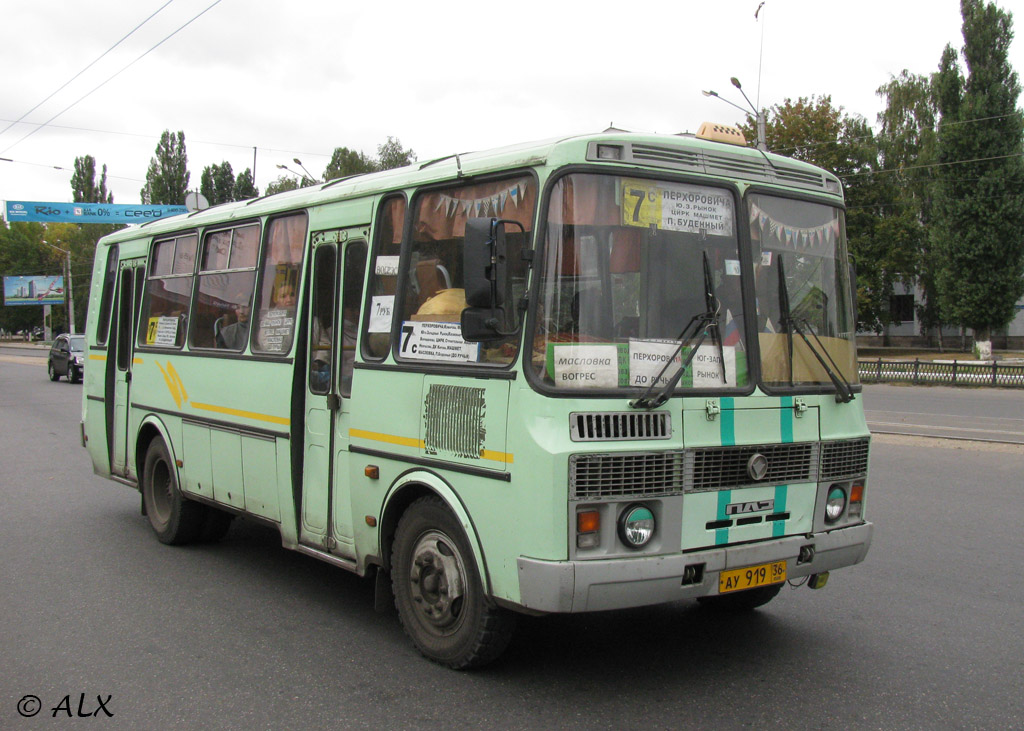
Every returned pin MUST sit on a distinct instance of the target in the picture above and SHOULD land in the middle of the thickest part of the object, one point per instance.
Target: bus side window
(109, 280)
(279, 285)
(227, 279)
(321, 334)
(165, 308)
(383, 278)
(351, 298)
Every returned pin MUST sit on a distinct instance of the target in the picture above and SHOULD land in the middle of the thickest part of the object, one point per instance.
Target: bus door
(335, 297)
(130, 283)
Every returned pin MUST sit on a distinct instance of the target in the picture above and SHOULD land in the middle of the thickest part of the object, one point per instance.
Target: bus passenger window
(165, 309)
(351, 299)
(433, 295)
(279, 285)
(226, 281)
(383, 278)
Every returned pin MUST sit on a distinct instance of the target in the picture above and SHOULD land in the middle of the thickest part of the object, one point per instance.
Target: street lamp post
(762, 144)
(69, 293)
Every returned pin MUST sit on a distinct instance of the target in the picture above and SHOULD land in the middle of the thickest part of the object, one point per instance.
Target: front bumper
(590, 586)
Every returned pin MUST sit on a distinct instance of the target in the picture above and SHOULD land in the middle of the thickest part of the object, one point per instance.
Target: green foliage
(83, 182)
(245, 187)
(979, 200)
(345, 162)
(391, 155)
(217, 183)
(283, 183)
(168, 176)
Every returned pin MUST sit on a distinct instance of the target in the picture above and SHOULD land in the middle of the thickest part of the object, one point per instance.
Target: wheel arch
(152, 427)
(411, 486)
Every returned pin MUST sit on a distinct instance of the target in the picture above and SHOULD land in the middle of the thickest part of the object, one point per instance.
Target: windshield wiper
(844, 392)
(705, 321)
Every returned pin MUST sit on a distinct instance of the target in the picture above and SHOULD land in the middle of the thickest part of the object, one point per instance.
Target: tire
(54, 376)
(215, 526)
(175, 519)
(742, 601)
(75, 375)
(438, 592)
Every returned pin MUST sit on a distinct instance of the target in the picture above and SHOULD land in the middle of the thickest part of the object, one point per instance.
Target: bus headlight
(835, 505)
(636, 526)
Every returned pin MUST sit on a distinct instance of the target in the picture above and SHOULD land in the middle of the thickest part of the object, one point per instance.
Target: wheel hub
(438, 580)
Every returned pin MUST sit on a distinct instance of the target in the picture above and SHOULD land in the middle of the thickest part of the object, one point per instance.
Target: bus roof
(680, 152)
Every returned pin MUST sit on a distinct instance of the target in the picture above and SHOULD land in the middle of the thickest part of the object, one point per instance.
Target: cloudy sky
(298, 79)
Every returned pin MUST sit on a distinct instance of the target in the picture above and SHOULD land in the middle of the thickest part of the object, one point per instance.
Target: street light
(69, 294)
(302, 178)
(298, 162)
(762, 145)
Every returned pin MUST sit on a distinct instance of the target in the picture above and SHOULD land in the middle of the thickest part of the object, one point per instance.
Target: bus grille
(636, 474)
(719, 468)
(619, 426)
(844, 459)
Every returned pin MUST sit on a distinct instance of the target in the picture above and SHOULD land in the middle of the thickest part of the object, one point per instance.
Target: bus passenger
(236, 335)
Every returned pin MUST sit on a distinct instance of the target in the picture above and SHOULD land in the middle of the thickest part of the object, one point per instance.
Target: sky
(298, 79)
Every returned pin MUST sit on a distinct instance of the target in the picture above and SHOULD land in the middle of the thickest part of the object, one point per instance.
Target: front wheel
(174, 518)
(75, 375)
(438, 591)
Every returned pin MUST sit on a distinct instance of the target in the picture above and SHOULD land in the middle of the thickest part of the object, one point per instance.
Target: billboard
(40, 212)
(34, 290)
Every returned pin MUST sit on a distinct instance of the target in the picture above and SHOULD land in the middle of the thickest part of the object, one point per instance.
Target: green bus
(591, 373)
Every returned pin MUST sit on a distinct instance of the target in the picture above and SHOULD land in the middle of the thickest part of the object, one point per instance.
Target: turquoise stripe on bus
(786, 419)
(779, 526)
(728, 419)
(722, 534)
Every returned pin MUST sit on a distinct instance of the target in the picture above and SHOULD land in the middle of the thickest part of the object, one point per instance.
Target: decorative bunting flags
(816, 237)
(492, 205)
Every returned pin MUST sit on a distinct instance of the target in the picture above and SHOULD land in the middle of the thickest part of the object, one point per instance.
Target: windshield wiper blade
(844, 392)
(707, 320)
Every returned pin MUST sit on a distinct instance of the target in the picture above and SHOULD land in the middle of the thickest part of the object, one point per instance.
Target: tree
(906, 142)
(391, 154)
(83, 183)
(979, 195)
(245, 186)
(345, 162)
(168, 176)
(217, 183)
(283, 183)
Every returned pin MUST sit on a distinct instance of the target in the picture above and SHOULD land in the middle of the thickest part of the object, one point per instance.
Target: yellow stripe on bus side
(246, 414)
(503, 457)
(386, 438)
(97, 357)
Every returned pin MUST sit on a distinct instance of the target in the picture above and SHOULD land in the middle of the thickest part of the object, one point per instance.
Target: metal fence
(955, 373)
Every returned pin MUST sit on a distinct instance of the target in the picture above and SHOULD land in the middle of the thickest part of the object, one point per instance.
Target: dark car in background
(67, 358)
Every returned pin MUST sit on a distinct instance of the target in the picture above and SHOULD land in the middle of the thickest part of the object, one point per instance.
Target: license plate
(752, 577)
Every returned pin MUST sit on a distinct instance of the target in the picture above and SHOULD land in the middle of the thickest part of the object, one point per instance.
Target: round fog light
(835, 505)
(636, 526)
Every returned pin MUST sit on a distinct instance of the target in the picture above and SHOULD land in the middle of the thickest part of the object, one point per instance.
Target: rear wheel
(174, 518)
(54, 376)
(742, 601)
(438, 591)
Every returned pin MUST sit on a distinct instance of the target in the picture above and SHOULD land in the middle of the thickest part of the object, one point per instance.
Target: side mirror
(480, 324)
(484, 265)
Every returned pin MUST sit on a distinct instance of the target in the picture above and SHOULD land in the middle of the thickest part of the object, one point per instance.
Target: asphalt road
(925, 633)
(979, 414)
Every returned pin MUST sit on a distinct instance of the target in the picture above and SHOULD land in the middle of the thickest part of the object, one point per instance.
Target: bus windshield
(805, 316)
(638, 273)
